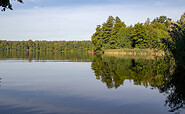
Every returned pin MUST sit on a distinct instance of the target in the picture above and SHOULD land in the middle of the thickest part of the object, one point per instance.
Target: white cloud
(73, 23)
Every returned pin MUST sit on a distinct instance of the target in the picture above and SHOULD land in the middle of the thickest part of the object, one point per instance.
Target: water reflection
(175, 90)
(114, 71)
(67, 83)
(152, 72)
(46, 56)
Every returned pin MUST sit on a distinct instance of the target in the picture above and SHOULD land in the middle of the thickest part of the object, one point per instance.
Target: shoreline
(135, 52)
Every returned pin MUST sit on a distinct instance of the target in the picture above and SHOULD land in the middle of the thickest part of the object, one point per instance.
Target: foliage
(97, 39)
(114, 39)
(162, 19)
(105, 36)
(157, 33)
(107, 32)
(176, 43)
(114, 34)
(7, 4)
(139, 36)
(123, 38)
(63, 46)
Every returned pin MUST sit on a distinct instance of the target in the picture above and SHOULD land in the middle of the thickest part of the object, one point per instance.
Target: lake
(82, 83)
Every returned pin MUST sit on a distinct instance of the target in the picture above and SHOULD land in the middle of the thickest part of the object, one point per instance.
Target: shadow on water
(155, 73)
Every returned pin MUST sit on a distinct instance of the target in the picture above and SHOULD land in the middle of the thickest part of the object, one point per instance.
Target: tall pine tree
(107, 32)
(118, 24)
(140, 36)
(97, 39)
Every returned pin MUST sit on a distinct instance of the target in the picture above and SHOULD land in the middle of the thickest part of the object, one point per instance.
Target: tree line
(63, 46)
(114, 34)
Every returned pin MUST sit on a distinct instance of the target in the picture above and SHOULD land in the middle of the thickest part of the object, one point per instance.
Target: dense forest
(64, 46)
(114, 34)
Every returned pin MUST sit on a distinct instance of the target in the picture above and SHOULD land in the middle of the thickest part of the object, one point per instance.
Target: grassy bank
(121, 56)
(134, 51)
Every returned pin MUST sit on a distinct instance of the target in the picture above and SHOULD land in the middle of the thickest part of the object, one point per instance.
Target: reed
(134, 52)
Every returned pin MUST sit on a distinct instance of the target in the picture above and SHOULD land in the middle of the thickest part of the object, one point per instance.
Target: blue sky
(77, 19)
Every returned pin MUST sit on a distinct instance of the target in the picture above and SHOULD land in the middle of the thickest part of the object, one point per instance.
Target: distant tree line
(114, 34)
(30, 45)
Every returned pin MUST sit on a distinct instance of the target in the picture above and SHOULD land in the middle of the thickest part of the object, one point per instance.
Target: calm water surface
(81, 83)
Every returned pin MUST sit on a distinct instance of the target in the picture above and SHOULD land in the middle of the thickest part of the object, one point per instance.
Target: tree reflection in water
(46, 55)
(175, 90)
(154, 72)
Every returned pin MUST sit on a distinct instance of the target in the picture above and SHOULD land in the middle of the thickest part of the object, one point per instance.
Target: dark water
(82, 83)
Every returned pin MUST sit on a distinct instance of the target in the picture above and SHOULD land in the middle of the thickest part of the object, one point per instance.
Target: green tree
(182, 20)
(140, 36)
(157, 33)
(113, 40)
(176, 43)
(97, 39)
(107, 32)
(147, 22)
(123, 38)
(162, 19)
